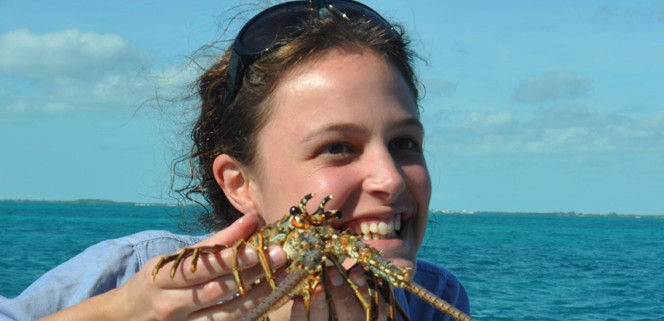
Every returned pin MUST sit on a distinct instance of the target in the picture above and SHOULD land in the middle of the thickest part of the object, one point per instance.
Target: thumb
(240, 229)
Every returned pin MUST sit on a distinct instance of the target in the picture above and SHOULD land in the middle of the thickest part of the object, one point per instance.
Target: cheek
(274, 188)
(342, 184)
(420, 183)
(420, 187)
(424, 198)
(284, 186)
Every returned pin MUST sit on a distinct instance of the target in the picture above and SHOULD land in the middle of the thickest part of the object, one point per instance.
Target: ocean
(515, 266)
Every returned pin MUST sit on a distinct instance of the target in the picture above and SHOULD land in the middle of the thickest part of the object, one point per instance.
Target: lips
(377, 229)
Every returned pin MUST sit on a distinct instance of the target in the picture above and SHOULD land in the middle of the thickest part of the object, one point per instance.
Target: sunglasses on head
(280, 24)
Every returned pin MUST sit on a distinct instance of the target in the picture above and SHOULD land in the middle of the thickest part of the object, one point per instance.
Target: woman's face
(346, 124)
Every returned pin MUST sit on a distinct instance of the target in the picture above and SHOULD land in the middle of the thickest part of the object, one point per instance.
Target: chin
(402, 261)
(402, 257)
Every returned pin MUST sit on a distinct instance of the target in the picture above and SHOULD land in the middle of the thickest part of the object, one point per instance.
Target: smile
(377, 229)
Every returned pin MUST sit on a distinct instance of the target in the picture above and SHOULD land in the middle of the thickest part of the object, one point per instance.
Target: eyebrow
(345, 128)
(408, 122)
(351, 128)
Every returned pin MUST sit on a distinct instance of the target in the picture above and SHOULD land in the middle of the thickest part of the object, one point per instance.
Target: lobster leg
(394, 307)
(373, 291)
(236, 268)
(288, 288)
(258, 243)
(366, 305)
(398, 277)
(433, 300)
(310, 243)
(372, 260)
(183, 254)
(332, 314)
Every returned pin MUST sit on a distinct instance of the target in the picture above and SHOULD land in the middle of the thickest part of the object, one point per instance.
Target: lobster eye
(295, 210)
(334, 214)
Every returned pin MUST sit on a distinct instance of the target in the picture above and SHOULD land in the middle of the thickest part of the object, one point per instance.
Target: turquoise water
(514, 266)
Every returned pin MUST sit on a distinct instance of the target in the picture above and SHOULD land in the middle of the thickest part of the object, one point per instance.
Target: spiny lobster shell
(312, 245)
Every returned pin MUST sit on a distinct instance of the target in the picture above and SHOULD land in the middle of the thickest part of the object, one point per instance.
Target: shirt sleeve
(100, 268)
(444, 285)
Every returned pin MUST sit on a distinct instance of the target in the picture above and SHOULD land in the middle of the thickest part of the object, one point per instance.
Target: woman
(312, 97)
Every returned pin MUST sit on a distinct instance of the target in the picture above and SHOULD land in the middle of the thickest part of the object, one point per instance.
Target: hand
(196, 295)
(346, 305)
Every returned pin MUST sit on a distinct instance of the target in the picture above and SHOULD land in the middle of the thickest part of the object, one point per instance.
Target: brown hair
(234, 131)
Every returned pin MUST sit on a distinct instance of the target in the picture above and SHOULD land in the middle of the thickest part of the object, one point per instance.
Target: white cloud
(68, 53)
(68, 71)
(560, 130)
(552, 87)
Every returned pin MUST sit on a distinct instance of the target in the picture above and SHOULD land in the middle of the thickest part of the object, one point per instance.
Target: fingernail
(336, 278)
(278, 256)
(359, 279)
(248, 257)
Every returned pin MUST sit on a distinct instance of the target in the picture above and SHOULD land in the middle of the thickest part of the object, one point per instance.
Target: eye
(406, 144)
(337, 149)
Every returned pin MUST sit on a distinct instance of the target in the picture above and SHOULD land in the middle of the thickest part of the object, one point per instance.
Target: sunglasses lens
(356, 11)
(281, 24)
(272, 28)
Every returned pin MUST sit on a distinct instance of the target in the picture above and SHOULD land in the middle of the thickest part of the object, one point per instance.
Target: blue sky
(530, 105)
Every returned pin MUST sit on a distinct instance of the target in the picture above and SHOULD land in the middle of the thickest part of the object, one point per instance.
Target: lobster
(312, 246)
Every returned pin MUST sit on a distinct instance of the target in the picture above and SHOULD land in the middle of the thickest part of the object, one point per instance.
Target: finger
(198, 297)
(347, 305)
(298, 311)
(225, 289)
(239, 306)
(216, 261)
(197, 269)
(320, 308)
(371, 287)
(216, 265)
(239, 230)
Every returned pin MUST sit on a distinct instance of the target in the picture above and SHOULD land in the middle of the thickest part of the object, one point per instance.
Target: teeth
(380, 230)
(365, 228)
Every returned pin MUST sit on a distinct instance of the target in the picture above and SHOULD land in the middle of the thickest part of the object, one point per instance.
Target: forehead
(342, 72)
(340, 87)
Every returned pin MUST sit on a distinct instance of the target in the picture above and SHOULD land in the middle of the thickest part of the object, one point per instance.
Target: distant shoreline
(87, 202)
(559, 213)
(433, 211)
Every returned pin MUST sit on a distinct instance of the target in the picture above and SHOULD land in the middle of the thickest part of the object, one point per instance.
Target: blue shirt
(109, 264)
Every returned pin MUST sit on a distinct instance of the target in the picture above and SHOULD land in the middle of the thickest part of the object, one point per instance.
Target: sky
(530, 106)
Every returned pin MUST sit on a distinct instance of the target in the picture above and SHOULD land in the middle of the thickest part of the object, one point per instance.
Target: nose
(385, 177)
